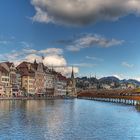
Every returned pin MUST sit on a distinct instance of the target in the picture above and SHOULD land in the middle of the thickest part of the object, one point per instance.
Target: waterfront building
(60, 84)
(17, 90)
(39, 78)
(8, 78)
(13, 78)
(30, 79)
(49, 81)
(27, 78)
(1, 84)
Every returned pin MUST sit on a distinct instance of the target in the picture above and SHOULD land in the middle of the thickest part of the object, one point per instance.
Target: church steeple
(73, 86)
(72, 73)
(35, 61)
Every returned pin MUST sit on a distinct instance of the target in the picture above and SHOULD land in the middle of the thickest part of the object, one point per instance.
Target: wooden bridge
(127, 96)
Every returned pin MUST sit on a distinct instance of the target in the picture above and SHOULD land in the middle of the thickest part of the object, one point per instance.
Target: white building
(49, 82)
(6, 87)
(60, 85)
(106, 86)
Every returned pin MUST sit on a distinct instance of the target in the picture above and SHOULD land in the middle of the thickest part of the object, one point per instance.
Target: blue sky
(105, 44)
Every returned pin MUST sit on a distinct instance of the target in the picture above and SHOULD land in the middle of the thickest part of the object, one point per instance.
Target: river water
(68, 120)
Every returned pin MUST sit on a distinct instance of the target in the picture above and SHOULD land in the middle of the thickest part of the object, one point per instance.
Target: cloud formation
(84, 65)
(90, 40)
(94, 58)
(53, 57)
(82, 12)
(44, 51)
(126, 64)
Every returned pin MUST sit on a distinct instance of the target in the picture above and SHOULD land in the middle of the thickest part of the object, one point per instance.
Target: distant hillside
(108, 80)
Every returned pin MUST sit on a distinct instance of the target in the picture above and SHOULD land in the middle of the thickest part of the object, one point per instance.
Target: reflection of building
(71, 85)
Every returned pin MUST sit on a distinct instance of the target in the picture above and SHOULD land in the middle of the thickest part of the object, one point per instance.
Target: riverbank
(37, 98)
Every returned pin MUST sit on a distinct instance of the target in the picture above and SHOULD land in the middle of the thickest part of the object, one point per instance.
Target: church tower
(73, 84)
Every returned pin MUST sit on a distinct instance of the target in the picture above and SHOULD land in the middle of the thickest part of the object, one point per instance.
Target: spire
(35, 61)
(95, 76)
(52, 68)
(72, 73)
(43, 58)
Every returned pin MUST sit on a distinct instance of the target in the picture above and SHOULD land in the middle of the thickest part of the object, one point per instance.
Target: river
(68, 120)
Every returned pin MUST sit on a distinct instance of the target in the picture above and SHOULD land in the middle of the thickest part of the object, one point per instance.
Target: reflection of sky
(67, 120)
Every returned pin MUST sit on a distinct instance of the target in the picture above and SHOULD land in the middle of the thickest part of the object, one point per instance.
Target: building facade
(60, 85)
(8, 78)
(39, 79)
(34, 79)
(27, 78)
(49, 82)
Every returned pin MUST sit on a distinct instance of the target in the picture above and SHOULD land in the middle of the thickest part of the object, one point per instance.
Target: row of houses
(34, 79)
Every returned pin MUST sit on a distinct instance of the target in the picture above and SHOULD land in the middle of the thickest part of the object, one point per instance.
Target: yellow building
(33, 78)
(27, 78)
(28, 84)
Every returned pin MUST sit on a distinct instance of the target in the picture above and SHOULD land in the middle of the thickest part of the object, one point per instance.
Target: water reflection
(137, 108)
(67, 120)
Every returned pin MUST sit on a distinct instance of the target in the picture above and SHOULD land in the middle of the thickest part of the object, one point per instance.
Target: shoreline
(35, 98)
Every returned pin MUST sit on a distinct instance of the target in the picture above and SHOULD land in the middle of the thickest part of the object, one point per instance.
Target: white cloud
(137, 78)
(84, 65)
(126, 64)
(67, 70)
(52, 57)
(119, 76)
(43, 52)
(26, 45)
(55, 60)
(4, 42)
(81, 12)
(90, 40)
(94, 58)
(58, 62)
(51, 51)
(32, 57)
(29, 51)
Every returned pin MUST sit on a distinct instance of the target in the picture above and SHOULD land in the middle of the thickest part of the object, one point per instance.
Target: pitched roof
(2, 69)
(24, 70)
(9, 64)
